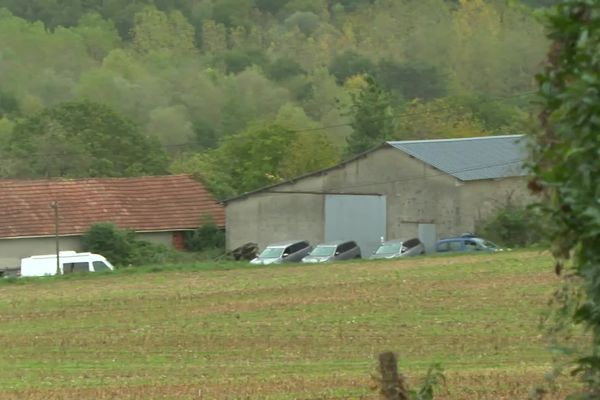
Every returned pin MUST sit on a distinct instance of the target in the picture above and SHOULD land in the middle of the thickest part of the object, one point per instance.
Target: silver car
(399, 248)
(284, 252)
(333, 251)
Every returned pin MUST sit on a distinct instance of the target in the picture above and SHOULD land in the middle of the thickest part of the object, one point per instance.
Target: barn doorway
(361, 218)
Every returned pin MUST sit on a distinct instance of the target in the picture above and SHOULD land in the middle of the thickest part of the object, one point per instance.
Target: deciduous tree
(437, 119)
(82, 140)
(155, 30)
(372, 118)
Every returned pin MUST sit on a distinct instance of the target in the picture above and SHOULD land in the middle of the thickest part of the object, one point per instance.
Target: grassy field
(292, 332)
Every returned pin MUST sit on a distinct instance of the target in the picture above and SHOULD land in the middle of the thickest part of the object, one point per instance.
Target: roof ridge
(95, 179)
(453, 139)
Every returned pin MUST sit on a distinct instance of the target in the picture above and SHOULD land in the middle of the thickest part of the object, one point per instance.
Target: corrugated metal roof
(471, 159)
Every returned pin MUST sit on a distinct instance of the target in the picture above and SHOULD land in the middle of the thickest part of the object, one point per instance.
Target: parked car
(284, 252)
(70, 262)
(333, 251)
(399, 248)
(465, 242)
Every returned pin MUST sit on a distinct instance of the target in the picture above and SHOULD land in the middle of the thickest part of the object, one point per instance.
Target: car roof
(393, 241)
(460, 238)
(285, 244)
(336, 242)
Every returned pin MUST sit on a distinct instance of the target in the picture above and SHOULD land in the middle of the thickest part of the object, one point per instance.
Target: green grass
(276, 332)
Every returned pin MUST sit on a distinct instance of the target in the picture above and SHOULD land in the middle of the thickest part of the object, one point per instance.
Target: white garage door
(361, 218)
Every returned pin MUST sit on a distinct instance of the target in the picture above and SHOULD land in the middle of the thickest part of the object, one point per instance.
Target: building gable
(466, 159)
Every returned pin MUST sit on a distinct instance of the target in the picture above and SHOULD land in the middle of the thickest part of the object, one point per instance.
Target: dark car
(333, 251)
(284, 252)
(399, 248)
(465, 243)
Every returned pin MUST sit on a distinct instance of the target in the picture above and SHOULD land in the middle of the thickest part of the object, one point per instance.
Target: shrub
(512, 226)
(121, 247)
(112, 243)
(143, 252)
(207, 237)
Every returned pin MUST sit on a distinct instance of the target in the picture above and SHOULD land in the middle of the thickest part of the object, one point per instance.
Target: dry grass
(303, 332)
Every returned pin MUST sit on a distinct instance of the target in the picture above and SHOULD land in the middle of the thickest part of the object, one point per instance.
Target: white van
(70, 262)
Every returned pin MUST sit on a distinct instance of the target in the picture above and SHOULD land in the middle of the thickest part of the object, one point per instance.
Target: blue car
(465, 243)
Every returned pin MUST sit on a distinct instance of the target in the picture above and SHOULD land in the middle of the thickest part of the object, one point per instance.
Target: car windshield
(392, 248)
(323, 251)
(489, 244)
(271, 252)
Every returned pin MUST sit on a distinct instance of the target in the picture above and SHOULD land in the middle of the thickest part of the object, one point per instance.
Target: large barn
(423, 188)
(158, 208)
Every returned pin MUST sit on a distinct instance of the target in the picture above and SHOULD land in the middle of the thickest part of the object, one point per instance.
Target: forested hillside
(243, 93)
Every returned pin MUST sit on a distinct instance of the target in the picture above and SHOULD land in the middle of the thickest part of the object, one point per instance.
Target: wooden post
(392, 384)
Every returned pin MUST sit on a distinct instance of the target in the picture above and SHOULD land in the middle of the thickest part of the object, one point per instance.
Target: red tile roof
(152, 203)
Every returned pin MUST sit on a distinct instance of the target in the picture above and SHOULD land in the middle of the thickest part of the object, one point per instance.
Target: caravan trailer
(70, 262)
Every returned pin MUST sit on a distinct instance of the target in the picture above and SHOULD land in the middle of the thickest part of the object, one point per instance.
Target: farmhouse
(424, 188)
(158, 208)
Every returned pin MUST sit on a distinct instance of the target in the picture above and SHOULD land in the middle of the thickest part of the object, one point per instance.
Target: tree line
(244, 93)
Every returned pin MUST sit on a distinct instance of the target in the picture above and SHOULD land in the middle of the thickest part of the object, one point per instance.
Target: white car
(399, 248)
(333, 251)
(284, 252)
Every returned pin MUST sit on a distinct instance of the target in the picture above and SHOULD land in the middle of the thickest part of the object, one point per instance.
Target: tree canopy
(81, 140)
(194, 73)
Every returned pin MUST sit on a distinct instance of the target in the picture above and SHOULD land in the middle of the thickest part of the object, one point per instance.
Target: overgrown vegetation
(513, 226)
(566, 172)
(122, 248)
(294, 84)
(207, 237)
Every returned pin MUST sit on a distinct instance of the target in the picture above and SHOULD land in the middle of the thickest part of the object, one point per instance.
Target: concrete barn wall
(385, 171)
(479, 199)
(415, 192)
(12, 250)
(268, 217)
(164, 238)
